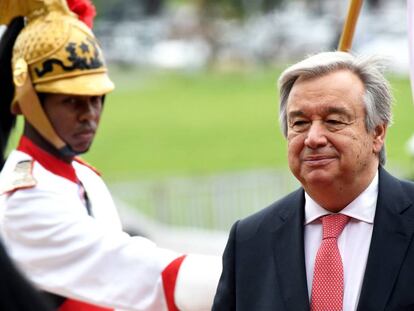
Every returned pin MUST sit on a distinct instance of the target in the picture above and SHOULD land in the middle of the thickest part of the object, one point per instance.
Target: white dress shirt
(353, 242)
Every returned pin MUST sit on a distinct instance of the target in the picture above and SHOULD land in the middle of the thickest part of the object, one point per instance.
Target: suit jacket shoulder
(273, 216)
(407, 186)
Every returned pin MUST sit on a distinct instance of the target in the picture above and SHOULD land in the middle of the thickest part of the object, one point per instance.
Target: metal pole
(345, 42)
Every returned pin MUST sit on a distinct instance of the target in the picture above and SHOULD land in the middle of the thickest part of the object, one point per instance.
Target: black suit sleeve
(16, 294)
(225, 299)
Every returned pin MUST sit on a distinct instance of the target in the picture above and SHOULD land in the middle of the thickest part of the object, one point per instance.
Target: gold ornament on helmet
(20, 72)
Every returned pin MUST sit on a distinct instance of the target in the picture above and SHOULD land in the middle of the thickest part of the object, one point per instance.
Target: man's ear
(379, 137)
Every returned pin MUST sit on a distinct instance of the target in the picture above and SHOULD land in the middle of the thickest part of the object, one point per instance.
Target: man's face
(328, 143)
(74, 118)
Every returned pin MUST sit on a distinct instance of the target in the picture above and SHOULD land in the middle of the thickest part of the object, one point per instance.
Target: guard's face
(327, 139)
(74, 118)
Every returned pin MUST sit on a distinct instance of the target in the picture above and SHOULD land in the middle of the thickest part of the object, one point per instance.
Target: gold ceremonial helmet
(54, 53)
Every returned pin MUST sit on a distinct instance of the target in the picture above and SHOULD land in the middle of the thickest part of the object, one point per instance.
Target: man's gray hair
(377, 97)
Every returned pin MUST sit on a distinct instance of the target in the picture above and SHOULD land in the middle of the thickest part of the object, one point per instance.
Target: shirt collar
(362, 208)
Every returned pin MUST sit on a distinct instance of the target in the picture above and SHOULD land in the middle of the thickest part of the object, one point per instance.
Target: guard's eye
(71, 100)
(96, 101)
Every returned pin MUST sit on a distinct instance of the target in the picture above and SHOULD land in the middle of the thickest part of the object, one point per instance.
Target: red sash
(75, 305)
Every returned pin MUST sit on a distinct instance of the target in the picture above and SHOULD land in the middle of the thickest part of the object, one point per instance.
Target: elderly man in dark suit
(344, 240)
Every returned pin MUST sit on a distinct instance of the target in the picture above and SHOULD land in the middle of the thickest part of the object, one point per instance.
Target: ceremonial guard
(57, 217)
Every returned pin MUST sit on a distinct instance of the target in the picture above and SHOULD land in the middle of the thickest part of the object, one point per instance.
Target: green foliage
(158, 124)
(104, 6)
(236, 8)
(402, 128)
(170, 123)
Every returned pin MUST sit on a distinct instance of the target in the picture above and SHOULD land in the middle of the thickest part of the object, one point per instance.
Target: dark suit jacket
(264, 266)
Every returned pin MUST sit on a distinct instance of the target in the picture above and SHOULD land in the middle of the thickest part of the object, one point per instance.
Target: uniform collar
(47, 160)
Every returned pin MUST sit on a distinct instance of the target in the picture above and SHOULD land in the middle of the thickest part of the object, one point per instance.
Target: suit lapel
(390, 238)
(289, 253)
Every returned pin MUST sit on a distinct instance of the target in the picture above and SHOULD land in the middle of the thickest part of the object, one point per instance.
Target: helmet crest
(84, 9)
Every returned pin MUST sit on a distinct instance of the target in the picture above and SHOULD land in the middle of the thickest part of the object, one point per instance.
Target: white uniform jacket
(72, 244)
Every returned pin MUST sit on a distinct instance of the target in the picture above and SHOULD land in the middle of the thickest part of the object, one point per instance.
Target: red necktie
(328, 275)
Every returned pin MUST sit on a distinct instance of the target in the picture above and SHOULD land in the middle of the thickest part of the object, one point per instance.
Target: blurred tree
(269, 5)
(103, 6)
(153, 7)
(375, 4)
(121, 9)
(315, 6)
(237, 8)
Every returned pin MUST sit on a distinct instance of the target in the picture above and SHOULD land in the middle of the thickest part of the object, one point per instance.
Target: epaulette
(83, 162)
(20, 178)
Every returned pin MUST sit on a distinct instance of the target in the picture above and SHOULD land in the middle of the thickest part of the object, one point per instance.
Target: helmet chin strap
(67, 151)
(26, 102)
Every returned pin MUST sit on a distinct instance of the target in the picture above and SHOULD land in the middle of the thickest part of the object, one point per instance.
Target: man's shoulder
(388, 181)
(17, 173)
(22, 171)
(272, 216)
(407, 186)
(79, 162)
(282, 206)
